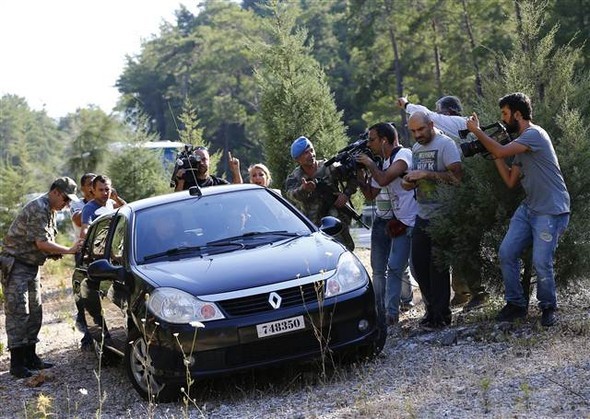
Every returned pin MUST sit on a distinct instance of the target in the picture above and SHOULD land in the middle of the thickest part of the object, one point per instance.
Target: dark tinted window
(118, 242)
(197, 222)
(96, 241)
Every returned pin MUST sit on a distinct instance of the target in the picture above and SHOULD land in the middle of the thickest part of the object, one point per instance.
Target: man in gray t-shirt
(435, 160)
(543, 215)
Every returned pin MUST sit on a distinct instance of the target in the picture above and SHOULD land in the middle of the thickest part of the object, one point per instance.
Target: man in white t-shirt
(397, 208)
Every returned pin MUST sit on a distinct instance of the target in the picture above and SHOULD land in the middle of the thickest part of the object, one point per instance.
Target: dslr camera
(497, 131)
(346, 158)
(187, 160)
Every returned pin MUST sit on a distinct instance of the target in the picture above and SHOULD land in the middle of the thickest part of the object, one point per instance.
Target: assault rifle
(329, 197)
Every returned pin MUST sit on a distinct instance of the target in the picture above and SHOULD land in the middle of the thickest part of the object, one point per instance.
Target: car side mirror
(331, 225)
(103, 270)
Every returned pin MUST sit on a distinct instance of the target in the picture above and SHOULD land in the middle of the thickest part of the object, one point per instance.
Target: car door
(116, 300)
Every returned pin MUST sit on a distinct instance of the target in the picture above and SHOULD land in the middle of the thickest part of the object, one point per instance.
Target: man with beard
(394, 219)
(436, 160)
(469, 292)
(199, 175)
(543, 215)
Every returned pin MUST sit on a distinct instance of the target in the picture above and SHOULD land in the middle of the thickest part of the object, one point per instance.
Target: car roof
(185, 195)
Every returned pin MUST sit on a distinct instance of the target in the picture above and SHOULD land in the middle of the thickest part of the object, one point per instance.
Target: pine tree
(295, 96)
(479, 211)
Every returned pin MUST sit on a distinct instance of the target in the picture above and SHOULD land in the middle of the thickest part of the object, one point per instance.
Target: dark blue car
(212, 281)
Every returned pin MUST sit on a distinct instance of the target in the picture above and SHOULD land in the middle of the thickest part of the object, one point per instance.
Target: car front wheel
(140, 370)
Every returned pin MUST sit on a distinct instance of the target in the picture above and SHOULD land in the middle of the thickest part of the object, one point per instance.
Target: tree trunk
(478, 88)
(399, 78)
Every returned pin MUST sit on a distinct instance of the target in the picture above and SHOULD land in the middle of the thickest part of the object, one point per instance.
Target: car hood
(246, 268)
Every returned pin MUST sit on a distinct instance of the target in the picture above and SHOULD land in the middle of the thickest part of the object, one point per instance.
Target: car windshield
(214, 224)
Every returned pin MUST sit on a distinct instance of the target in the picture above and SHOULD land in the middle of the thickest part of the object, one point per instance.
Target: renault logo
(274, 300)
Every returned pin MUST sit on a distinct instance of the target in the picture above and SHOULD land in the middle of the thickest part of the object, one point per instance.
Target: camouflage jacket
(318, 204)
(36, 221)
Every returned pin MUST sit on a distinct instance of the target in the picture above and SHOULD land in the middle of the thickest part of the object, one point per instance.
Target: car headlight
(350, 274)
(175, 306)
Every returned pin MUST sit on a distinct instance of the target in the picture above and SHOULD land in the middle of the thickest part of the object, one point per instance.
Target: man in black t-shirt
(199, 175)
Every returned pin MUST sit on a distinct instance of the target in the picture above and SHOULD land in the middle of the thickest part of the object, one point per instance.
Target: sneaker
(424, 320)
(80, 323)
(392, 320)
(87, 343)
(405, 307)
(432, 325)
(548, 317)
(459, 299)
(476, 301)
(511, 312)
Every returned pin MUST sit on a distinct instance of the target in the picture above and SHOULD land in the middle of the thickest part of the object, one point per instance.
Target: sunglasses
(65, 198)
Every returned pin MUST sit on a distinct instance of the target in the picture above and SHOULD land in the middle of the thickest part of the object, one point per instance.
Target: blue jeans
(543, 232)
(397, 267)
(381, 252)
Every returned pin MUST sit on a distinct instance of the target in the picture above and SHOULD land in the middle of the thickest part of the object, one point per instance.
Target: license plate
(280, 326)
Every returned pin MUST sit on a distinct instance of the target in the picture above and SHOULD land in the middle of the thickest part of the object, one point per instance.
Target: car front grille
(259, 303)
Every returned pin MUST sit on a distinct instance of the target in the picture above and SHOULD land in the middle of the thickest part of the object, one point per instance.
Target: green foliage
(90, 132)
(138, 172)
(479, 210)
(23, 167)
(295, 98)
(190, 132)
(33, 131)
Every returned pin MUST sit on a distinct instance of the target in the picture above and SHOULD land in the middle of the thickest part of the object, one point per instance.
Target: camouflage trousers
(22, 306)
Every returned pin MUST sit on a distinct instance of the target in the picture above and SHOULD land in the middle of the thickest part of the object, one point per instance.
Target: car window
(197, 222)
(96, 241)
(118, 242)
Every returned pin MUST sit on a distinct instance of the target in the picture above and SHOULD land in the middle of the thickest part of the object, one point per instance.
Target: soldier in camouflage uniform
(313, 187)
(29, 242)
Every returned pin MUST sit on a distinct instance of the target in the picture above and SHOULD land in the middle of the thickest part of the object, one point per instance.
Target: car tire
(138, 365)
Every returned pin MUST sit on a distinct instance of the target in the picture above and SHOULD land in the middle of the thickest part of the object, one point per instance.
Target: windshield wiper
(230, 240)
(187, 249)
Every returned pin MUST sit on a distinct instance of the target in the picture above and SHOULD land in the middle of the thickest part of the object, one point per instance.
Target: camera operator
(543, 215)
(448, 118)
(395, 216)
(436, 160)
(199, 175)
(302, 187)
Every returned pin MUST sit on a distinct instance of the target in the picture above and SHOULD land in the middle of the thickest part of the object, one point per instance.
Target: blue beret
(299, 146)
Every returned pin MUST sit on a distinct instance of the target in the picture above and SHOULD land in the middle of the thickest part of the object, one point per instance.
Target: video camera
(187, 160)
(497, 131)
(346, 157)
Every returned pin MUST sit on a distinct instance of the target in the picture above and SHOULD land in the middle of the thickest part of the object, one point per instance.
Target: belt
(24, 263)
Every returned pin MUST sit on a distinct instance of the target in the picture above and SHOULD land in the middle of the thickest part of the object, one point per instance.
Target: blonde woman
(260, 175)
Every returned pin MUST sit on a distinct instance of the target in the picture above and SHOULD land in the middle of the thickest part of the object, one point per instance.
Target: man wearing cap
(448, 118)
(302, 187)
(29, 242)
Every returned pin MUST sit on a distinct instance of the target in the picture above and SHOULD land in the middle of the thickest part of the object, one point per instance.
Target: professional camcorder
(497, 131)
(346, 158)
(187, 160)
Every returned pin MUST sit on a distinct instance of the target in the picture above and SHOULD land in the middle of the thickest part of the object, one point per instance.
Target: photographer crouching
(308, 184)
(541, 218)
(193, 169)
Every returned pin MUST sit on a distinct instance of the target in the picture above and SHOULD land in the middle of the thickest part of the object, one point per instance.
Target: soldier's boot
(17, 363)
(32, 361)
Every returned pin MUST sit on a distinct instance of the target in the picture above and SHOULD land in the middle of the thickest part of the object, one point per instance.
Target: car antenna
(195, 191)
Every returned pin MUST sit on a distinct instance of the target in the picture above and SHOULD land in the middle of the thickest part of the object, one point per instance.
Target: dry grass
(473, 369)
